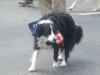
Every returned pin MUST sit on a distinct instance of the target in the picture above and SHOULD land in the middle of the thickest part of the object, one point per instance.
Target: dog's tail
(79, 34)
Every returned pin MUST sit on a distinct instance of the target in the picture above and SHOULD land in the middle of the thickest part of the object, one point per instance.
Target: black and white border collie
(48, 26)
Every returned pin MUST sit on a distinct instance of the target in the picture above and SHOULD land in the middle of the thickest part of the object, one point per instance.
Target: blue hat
(33, 28)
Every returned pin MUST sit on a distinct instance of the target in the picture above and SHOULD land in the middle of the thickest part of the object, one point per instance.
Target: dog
(61, 33)
(96, 2)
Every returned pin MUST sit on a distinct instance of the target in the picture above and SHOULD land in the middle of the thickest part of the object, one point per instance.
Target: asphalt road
(16, 43)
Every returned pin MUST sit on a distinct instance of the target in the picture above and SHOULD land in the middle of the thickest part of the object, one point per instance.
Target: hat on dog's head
(33, 28)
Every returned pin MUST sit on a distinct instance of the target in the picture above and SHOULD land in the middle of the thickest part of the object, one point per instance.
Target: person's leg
(97, 5)
(45, 6)
(75, 3)
(59, 5)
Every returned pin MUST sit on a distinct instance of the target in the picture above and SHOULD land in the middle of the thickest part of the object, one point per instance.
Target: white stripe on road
(88, 13)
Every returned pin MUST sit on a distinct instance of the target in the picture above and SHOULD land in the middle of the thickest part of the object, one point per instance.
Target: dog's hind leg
(64, 61)
(68, 49)
(66, 56)
(62, 58)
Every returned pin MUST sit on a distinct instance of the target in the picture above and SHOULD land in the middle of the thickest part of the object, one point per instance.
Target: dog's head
(44, 28)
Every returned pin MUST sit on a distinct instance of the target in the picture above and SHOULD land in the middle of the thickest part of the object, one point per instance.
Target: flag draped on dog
(59, 38)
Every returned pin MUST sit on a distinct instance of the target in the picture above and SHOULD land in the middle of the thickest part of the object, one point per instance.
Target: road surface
(16, 43)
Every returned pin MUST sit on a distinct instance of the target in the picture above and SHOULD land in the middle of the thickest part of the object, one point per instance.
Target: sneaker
(95, 10)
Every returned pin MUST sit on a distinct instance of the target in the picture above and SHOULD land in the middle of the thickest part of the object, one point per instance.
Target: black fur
(71, 33)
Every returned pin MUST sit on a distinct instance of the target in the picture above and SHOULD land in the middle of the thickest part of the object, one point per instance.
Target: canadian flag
(59, 38)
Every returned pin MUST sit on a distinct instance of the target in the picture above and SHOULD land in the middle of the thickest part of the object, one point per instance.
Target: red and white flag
(59, 38)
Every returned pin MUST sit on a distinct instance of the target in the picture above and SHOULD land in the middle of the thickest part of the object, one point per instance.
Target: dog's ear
(39, 30)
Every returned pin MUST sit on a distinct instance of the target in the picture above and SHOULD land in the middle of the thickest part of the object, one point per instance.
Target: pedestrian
(26, 3)
(96, 3)
(48, 6)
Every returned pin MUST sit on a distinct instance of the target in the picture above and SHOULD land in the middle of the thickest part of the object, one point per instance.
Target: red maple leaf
(58, 37)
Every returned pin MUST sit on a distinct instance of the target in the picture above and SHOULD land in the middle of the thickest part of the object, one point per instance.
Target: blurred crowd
(56, 5)
(95, 2)
(47, 6)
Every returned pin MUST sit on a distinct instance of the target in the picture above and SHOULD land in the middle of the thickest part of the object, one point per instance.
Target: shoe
(94, 10)
(70, 8)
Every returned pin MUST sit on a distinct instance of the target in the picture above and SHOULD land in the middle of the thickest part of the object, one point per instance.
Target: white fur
(61, 55)
(33, 61)
(45, 21)
(51, 36)
(63, 64)
(55, 64)
(42, 42)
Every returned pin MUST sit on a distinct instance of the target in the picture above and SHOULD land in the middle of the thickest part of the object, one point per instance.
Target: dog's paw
(31, 69)
(55, 64)
(63, 64)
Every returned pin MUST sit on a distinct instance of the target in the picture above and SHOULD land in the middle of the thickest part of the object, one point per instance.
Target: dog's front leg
(34, 55)
(55, 57)
(33, 61)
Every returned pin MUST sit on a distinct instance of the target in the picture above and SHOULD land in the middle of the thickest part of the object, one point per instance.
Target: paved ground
(16, 43)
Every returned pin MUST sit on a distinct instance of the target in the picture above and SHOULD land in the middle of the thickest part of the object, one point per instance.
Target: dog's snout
(50, 43)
